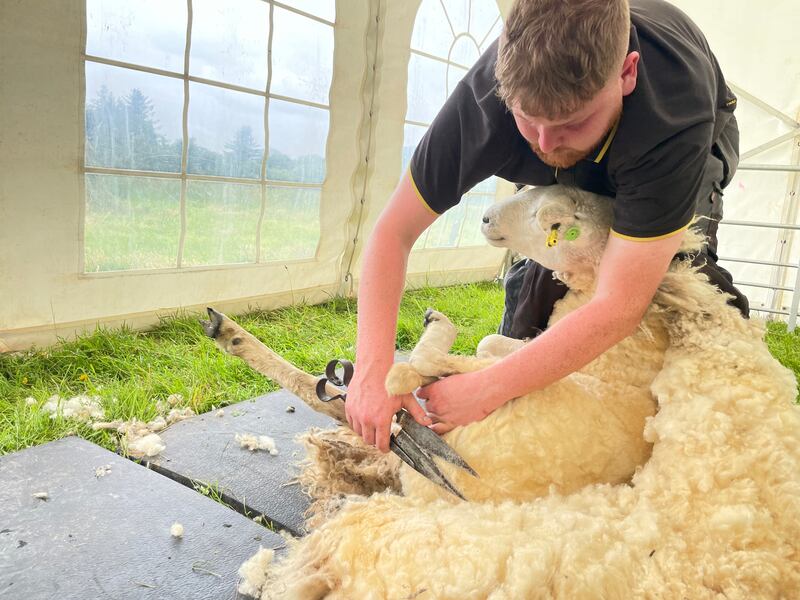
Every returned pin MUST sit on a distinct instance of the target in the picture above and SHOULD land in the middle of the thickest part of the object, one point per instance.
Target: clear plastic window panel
(427, 88)
(446, 230)
(133, 119)
(324, 9)
(226, 132)
(474, 207)
(454, 75)
(458, 14)
(412, 134)
(432, 33)
(302, 57)
(291, 227)
(490, 37)
(221, 223)
(457, 31)
(151, 33)
(485, 22)
(131, 223)
(297, 138)
(229, 42)
(465, 50)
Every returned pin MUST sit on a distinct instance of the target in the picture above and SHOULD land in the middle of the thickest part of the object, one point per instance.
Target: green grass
(135, 223)
(130, 371)
(785, 346)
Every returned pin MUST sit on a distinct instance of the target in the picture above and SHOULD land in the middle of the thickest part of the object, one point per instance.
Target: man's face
(563, 142)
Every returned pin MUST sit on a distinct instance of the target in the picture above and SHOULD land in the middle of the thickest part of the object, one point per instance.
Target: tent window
(206, 128)
(448, 37)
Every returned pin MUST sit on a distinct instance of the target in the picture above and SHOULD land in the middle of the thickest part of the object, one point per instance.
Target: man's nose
(548, 139)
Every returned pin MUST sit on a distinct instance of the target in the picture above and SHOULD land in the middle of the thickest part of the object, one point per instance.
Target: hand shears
(415, 444)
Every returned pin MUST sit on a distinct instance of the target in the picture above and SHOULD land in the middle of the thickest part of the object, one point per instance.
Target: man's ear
(630, 69)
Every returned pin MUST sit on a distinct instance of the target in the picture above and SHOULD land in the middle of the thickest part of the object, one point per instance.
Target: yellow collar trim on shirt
(607, 143)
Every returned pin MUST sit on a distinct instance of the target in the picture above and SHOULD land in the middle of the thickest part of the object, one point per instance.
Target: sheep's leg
(233, 339)
(498, 346)
(430, 359)
(430, 356)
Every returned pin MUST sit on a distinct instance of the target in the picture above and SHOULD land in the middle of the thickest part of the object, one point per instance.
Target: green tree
(243, 155)
(124, 134)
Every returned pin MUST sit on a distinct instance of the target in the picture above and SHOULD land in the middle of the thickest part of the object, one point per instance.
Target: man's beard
(564, 158)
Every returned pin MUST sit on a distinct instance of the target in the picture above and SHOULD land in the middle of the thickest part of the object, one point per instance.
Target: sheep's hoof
(211, 327)
(431, 316)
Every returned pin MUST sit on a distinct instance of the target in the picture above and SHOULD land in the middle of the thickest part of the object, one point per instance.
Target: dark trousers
(531, 290)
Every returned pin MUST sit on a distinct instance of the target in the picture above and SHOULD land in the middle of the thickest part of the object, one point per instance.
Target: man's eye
(576, 126)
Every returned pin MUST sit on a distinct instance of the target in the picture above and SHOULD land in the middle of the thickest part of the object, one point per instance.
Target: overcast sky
(229, 44)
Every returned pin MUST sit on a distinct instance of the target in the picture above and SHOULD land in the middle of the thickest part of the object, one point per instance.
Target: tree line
(123, 133)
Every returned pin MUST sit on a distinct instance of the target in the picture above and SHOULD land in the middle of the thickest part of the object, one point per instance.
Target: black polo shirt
(652, 163)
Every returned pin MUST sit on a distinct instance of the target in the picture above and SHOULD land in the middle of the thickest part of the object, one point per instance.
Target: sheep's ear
(554, 215)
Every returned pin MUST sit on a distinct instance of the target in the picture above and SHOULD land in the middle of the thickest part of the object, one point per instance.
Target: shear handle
(332, 377)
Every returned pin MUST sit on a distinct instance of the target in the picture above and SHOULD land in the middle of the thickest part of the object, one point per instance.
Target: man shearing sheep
(622, 100)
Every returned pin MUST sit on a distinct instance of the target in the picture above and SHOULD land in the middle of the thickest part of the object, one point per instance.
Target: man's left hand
(456, 400)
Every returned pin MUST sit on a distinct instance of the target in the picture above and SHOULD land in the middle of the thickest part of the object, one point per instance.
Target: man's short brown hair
(555, 55)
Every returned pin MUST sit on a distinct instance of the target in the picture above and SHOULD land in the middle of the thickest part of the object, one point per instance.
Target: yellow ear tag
(552, 238)
(572, 234)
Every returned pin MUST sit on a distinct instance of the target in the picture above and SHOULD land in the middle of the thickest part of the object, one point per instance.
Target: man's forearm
(629, 274)
(379, 292)
(567, 346)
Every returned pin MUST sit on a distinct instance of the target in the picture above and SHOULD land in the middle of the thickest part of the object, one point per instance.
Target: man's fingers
(356, 425)
(441, 427)
(369, 435)
(382, 437)
(412, 406)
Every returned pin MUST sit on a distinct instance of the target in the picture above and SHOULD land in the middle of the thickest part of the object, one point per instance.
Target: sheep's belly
(576, 432)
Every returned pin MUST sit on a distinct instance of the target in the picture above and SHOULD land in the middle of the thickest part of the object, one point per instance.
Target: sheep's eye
(236, 341)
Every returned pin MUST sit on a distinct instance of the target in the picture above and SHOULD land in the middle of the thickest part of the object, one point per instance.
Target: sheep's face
(564, 229)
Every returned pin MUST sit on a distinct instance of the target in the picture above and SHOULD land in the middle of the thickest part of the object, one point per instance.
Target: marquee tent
(169, 154)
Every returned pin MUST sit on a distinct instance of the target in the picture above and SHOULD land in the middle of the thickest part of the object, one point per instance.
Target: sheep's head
(229, 336)
(562, 228)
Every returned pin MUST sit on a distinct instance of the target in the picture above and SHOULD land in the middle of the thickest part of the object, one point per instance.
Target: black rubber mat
(204, 448)
(106, 533)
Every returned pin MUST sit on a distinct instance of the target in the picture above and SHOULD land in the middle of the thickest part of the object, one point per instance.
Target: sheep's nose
(486, 220)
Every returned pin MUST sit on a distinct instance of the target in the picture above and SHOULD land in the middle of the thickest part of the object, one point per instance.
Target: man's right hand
(370, 410)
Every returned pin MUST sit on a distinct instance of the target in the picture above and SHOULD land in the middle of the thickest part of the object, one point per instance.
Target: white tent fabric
(49, 292)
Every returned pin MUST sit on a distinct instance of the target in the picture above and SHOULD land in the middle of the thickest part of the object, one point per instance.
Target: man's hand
(370, 410)
(456, 400)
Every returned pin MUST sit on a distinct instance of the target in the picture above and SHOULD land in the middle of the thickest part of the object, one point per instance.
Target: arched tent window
(182, 100)
(448, 37)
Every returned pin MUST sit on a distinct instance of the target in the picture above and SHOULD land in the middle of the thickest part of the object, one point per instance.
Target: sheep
(714, 512)
(548, 445)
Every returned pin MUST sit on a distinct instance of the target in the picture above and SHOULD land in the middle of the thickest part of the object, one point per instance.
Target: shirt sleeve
(464, 145)
(656, 195)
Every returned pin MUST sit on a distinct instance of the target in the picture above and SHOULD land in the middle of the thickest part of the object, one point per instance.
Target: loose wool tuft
(253, 572)
(257, 442)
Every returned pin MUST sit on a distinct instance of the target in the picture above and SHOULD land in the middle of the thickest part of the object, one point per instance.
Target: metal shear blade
(414, 444)
(431, 441)
(411, 453)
